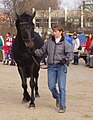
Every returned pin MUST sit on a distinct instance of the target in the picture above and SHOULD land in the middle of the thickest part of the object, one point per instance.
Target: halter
(27, 24)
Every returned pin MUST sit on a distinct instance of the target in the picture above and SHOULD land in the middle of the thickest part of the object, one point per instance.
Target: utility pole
(82, 17)
(34, 20)
(82, 14)
(65, 15)
(49, 18)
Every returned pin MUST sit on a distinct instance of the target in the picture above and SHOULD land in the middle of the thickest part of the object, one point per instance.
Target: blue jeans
(57, 74)
(6, 57)
(88, 57)
(76, 58)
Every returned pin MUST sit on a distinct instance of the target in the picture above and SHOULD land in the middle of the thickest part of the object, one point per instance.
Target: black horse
(25, 42)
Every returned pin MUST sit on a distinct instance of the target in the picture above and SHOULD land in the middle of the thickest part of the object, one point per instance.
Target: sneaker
(4, 62)
(57, 103)
(75, 63)
(90, 66)
(62, 110)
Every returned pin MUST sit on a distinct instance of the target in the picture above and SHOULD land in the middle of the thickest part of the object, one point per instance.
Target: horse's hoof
(31, 105)
(37, 95)
(25, 100)
(28, 99)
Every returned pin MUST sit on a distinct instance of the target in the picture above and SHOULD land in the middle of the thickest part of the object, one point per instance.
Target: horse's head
(25, 27)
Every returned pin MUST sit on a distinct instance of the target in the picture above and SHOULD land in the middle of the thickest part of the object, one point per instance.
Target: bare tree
(42, 4)
(9, 6)
(20, 6)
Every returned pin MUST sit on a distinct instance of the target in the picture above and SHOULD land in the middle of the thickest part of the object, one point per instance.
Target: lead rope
(38, 63)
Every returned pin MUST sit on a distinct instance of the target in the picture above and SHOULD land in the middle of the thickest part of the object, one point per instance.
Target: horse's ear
(33, 15)
(17, 16)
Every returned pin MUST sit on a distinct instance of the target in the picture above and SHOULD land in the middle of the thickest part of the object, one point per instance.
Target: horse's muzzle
(29, 44)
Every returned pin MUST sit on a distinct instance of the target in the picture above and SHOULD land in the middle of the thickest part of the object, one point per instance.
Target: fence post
(34, 20)
(82, 19)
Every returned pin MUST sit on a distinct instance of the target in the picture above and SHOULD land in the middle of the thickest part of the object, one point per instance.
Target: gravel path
(79, 96)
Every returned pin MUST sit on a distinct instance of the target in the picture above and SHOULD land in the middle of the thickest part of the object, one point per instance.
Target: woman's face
(75, 36)
(57, 33)
(90, 36)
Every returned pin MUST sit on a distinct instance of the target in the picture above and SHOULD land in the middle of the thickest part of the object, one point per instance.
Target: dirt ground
(79, 96)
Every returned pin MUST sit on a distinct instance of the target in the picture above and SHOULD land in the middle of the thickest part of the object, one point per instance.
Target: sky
(1, 4)
(70, 4)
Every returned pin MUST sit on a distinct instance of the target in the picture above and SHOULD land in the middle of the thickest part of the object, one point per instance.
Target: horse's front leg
(36, 84)
(32, 85)
(26, 96)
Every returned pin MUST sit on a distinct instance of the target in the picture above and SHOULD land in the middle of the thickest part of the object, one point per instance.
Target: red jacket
(8, 41)
(5, 48)
(88, 43)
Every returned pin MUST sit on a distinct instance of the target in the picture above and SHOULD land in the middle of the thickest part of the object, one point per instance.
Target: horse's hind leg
(26, 96)
(36, 75)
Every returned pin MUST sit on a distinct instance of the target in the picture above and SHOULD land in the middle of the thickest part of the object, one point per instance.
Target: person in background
(12, 63)
(8, 39)
(59, 52)
(8, 42)
(91, 55)
(88, 47)
(6, 49)
(1, 53)
(2, 50)
(76, 44)
(68, 37)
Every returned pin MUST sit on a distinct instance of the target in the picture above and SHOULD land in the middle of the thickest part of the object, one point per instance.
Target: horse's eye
(21, 26)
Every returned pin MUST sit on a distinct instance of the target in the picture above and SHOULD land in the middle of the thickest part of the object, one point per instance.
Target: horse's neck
(35, 44)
